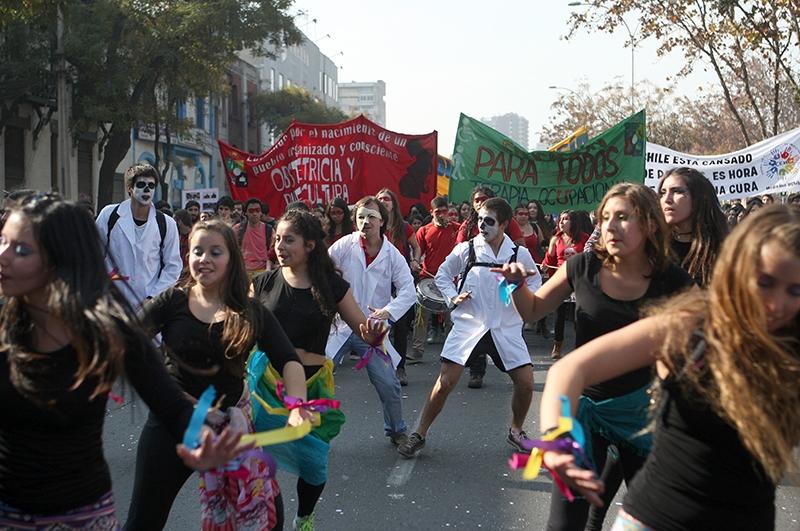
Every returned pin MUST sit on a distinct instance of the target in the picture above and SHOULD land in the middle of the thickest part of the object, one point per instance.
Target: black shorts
(486, 346)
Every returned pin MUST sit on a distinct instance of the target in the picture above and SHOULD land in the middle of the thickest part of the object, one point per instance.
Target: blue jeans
(384, 379)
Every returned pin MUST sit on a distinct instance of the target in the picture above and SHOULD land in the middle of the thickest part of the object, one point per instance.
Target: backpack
(472, 263)
(243, 229)
(161, 221)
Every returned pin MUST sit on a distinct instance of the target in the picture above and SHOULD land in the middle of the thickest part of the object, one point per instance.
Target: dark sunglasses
(141, 185)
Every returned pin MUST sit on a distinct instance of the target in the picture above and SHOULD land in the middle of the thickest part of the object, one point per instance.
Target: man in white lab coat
(371, 264)
(482, 322)
(143, 247)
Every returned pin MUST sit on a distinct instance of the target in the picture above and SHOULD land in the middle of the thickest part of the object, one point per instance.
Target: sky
(440, 58)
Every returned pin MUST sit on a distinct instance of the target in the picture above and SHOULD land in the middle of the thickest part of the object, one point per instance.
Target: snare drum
(429, 296)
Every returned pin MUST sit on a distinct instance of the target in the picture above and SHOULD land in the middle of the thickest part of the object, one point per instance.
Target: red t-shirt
(512, 229)
(564, 251)
(403, 245)
(368, 259)
(532, 243)
(435, 243)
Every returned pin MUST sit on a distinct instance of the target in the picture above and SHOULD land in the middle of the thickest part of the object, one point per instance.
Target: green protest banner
(559, 181)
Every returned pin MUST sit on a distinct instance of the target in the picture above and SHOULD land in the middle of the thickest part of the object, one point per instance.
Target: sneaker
(475, 381)
(517, 440)
(415, 356)
(431, 337)
(354, 356)
(411, 447)
(398, 439)
(401, 375)
(304, 523)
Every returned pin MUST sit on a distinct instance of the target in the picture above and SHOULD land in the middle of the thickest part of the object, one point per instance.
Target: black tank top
(699, 475)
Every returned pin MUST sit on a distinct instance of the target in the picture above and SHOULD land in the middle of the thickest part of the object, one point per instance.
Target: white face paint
(143, 190)
(366, 215)
(488, 224)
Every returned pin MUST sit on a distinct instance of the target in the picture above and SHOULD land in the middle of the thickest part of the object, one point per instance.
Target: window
(14, 142)
(181, 109)
(234, 101)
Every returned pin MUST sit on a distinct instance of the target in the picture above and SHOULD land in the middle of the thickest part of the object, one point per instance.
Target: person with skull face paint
(482, 323)
(146, 263)
(371, 265)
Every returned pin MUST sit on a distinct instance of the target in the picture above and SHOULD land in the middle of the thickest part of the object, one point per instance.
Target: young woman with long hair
(339, 221)
(529, 231)
(208, 327)
(66, 333)
(630, 267)
(726, 411)
(566, 242)
(544, 229)
(692, 211)
(305, 293)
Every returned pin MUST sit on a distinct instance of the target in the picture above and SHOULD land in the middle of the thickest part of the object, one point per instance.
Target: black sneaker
(475, 381)
(411, 447)
(401, 375)
(398, 439)
(518, 441)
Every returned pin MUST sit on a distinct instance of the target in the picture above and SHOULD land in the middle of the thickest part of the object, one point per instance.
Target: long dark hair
(320, 265)
(395, 225)
(99, 320)
(347, 222)
(241, 326)
(709, 225)
(541, 220)
(472, 221)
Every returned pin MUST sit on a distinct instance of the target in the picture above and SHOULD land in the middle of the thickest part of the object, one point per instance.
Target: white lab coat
(140, 262)
(484, 311)
(371, 286)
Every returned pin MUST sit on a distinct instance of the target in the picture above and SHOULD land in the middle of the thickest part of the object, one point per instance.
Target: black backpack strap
(468, 265)
(112, 220)
(161, 221)
(472, 263)
(268, 233)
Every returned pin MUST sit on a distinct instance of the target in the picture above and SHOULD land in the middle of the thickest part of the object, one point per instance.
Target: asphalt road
(461, 479)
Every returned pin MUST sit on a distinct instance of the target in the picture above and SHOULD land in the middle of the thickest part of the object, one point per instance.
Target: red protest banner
(351, 159)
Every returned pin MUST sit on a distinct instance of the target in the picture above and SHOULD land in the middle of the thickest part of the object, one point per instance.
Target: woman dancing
(728, 361)
(66, 333)
(629, 268)
(305, 294)
(208, 327)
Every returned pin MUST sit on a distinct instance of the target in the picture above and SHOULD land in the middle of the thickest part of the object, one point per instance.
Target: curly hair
(644, 203)
(709, 225)
(320, 265)
(748, 375)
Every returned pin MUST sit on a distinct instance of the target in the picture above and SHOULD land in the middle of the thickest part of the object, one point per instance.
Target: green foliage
(278, 109)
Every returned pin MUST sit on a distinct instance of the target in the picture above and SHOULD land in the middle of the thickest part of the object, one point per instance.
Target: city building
(365, 98)
(303, 65)
(512, 125)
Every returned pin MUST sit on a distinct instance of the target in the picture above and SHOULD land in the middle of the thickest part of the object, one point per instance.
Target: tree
(700, 125)
(125, 56)
(278, 109)
(743, 42)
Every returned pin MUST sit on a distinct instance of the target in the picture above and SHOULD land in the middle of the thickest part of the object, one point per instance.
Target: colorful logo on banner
(770, 166)
(576, 180)
(316, 163)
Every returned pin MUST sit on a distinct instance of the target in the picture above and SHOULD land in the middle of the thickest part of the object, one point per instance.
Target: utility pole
(62, 101)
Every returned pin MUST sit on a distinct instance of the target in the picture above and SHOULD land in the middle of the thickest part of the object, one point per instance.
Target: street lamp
(631, 35)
